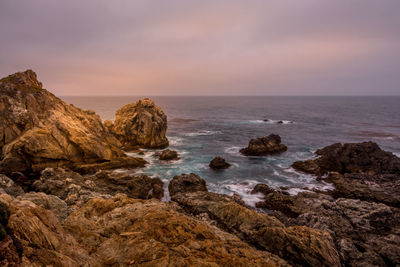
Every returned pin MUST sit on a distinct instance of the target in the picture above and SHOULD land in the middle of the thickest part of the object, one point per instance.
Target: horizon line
(229, 95)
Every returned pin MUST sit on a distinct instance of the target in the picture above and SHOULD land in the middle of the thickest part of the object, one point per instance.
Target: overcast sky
(173, 47)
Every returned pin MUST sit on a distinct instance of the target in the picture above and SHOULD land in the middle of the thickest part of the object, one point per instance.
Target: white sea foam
(232, 150)
(203, 132)
(175, 141)
(269, 121)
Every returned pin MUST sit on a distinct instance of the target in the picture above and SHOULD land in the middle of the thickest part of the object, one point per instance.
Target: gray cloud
(276, 47)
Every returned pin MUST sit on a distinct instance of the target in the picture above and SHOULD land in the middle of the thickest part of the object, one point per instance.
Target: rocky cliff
(39, 130)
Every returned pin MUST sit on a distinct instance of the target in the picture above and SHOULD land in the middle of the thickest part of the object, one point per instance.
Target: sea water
(200, 128)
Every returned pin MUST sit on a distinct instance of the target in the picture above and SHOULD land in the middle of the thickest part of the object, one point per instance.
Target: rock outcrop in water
(263, 146)
(219, 163)
(141, 124)
(39, 130)
(186, 183)
(169, 154)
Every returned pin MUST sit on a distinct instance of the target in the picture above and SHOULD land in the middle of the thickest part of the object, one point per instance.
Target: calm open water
(200, 128)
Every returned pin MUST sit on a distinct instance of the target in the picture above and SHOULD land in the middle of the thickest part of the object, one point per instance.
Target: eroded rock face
(365, 233)
(76, 189)
(169, 154)
(141, 124)
(298, 245)
(7, 186)
(263, 146)
(219, 163)
(38, 130)
(123, 231)
(186, 183)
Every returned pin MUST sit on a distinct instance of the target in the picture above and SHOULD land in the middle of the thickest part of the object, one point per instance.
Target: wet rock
(186, 183)
(219, 163)
(7, 186)
(76, 189)
(141, 124)
(263, 146)
(298, 245)
(366, 157)
(39, 130)
(169, 154)
(123, 231)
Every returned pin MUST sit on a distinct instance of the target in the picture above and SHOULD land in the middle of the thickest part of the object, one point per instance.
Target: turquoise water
(200, 128)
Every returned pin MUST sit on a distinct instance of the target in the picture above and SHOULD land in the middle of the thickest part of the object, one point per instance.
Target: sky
(205, 47)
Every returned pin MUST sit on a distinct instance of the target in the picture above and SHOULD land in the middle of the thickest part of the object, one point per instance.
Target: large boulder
(39, 130)
(299, 245)
(366, 157)
(186, 183)
(169, 154)
(141, 124)
(267, 145)
(219, 163)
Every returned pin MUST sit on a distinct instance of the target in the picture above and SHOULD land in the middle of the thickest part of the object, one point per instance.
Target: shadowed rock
(186, 183)
(169, 154)
(219, 163)
(263, 146)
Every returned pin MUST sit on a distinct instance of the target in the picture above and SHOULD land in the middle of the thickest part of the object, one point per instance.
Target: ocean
(200, 128)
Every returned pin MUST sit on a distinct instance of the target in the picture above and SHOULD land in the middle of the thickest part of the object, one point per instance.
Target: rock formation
(39, 130)
(141, 124)
(169, 154)
(263, 146)
(219, 163)
(186, 183)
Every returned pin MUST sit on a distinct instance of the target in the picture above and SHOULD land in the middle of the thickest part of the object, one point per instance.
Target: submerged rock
(141, 124)
(263, 146)
(186, 183)
(219, 163)
(169, 154)
(39, 130)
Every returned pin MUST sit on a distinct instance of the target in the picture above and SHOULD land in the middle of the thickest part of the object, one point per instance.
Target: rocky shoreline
(61, 203)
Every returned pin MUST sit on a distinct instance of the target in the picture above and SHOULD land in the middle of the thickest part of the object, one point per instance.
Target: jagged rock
(76, 189)
(141, 124)
(169, 154)
(299, 245)
(123, 231)
(263, 146)
(366, 157)
(7, 186)
(39, 130)
(48, 202)
(186, 183)
(365, 233)
(41, 237)
(219, 163)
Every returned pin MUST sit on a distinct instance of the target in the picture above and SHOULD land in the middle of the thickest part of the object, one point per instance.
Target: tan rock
(142, 124)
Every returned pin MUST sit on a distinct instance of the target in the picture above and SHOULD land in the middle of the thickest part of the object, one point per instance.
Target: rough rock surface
(76, 189)
(39, 130)
(365, 233)
(123, 232)
(263, 146)
(299, 245)
(141, 124)
(186, 183)
(7, 186)
(366, 157)
(219, 163)
(169, 154)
